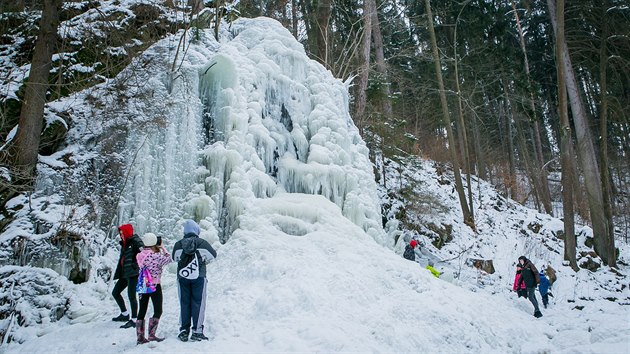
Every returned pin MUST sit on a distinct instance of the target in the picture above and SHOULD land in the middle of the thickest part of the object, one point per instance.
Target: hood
(191, 227)
(127, 232)
(189, 245)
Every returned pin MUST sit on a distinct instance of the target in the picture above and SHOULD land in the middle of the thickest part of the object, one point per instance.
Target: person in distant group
(530, 276)
(551, 275)
(521, 290)
(410, 250)
(544, 288)
(127, 275)
(154, 257)
(191, 254)
(433, 271)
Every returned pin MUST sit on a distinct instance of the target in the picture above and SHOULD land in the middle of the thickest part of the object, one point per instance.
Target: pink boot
(153, 325)
(140, 332)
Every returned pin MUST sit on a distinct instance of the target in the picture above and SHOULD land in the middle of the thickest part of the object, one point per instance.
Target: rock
(484, 264)
(559, 234)
(589, 242)
(588, 254)
(52, 137)
(535, 227)
(444, 233)
(590, 264)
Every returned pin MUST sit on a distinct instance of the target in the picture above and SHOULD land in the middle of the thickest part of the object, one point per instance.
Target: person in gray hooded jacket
(191, 254)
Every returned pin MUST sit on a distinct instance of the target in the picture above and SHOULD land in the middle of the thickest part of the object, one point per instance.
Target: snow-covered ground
(255, 141)
(332, 288)
(298, 276)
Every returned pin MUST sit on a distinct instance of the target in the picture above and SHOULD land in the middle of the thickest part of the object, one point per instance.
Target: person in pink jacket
(522, 291)
(154, 257)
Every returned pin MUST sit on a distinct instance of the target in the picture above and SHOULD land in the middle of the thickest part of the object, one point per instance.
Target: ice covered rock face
(250, 117)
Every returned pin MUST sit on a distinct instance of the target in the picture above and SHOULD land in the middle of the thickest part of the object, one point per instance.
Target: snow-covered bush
(29, 296)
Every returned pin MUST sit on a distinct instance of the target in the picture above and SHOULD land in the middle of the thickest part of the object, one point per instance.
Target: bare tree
(566, 149)
(602, 231)
(379, 56)
(25, 146)
(468, 217)
(540, 175)
(460, 119)
(364, 63)
(607, 187)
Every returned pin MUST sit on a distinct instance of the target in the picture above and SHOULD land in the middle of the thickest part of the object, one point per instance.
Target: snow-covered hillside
(254, 140)
(590, 310)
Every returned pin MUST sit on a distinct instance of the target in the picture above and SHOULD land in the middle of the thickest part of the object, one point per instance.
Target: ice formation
(248, 117)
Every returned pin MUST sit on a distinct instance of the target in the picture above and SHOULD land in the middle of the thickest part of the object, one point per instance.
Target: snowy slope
(590, 310)
(330, 289)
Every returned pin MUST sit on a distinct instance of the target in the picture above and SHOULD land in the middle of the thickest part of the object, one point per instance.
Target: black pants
(130, 284)
(156, 300)
(531, 295)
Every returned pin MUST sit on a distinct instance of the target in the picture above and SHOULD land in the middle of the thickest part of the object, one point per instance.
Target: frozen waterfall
(249, 117)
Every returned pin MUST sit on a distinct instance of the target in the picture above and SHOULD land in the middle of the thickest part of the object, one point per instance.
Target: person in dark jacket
(544, 288)
(127, 275)
(191, 254)
(410, 249)
(529, 276)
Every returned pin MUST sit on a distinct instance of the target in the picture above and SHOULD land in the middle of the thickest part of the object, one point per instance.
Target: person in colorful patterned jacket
(522, 289)
(127, 275)
(154, 257)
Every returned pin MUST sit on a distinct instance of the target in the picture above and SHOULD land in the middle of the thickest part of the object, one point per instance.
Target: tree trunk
(217, 19)
(381, 69)
(26, 144)
(364, 65)
(479, 154)
(566, 151)
(462, 127)
(510, 142)
(468, 217)
(381, 66)
(539, 173)
(323, 19)
(310, 25)
(603, 121)
(527, 159)
(602, 232)
(294, 20)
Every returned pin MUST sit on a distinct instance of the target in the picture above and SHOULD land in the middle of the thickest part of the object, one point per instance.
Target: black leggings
(156, 300)
(130, 284)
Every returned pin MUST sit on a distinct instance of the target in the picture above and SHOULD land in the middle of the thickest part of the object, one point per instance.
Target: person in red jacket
(522, 290)
(127, 275)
